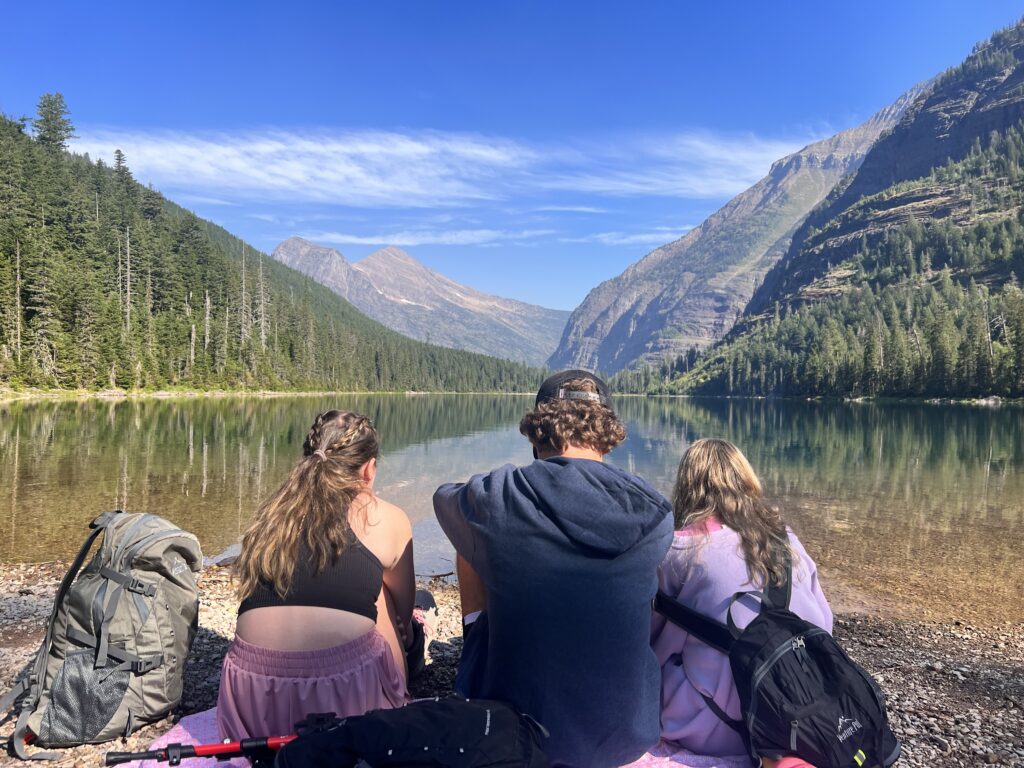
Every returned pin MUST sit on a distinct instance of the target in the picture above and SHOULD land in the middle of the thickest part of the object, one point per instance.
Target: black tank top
(351, 583)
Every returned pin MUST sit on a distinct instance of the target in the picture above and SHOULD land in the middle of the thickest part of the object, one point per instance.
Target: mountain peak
(395, 289)
(293, 241)
(389, 256)
(325, 265)
(296, 247)
(392, 252)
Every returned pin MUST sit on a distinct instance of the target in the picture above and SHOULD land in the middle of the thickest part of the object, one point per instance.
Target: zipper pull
(799, 648)
(794, 726)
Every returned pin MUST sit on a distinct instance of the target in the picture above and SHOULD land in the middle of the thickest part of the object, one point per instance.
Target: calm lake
(912, 510)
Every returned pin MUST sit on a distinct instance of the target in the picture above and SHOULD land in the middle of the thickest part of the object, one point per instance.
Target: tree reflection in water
(915, 509)
(911, 508)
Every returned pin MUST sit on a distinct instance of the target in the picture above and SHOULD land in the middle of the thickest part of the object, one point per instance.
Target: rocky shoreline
(955, 691)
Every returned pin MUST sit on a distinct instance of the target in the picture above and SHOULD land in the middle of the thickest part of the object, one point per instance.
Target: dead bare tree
(17, 301)
(128, 280)
(263, 308)
(206, 325)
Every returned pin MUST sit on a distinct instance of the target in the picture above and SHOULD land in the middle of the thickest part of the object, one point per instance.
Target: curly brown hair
(557, 424)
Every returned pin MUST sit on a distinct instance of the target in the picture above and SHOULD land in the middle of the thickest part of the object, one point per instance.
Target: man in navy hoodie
(557, 566)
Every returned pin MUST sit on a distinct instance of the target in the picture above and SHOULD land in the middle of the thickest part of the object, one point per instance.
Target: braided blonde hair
(312, 507)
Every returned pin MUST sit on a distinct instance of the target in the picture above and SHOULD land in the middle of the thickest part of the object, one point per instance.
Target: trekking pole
(257, 750)
(173, 754)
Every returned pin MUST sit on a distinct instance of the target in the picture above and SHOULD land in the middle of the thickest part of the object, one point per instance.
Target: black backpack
(453, 732)
(799, 691)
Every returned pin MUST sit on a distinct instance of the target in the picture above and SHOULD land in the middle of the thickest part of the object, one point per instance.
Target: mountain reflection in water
(912, 509)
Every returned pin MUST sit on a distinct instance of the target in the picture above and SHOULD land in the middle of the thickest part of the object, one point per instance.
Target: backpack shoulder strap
(737, 725)
(714, 633)
(779, 595)
(775, 596)
(31, 683)
(11, 696)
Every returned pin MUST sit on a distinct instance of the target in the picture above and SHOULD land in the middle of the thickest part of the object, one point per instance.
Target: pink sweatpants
(265, 692)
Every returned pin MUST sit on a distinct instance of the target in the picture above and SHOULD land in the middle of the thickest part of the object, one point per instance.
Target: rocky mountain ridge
(689, 292)
(398, 291)
(966, 106)
(904, 281)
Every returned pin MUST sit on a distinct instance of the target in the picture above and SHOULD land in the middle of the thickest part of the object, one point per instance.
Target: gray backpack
(118, 637)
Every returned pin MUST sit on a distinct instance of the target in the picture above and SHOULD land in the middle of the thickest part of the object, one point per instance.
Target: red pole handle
(242, 747)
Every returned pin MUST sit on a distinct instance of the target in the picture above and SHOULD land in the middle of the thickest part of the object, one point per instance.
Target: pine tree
(53, 127)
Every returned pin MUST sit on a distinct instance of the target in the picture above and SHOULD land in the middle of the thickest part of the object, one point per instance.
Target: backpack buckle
(140, 587)
(142, 666)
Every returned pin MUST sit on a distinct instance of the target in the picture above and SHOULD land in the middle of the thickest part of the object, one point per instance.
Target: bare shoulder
(383, 528)
(392, 514)
(384, 519)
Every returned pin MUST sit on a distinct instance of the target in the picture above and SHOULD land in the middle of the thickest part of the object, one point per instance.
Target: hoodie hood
(572, 493)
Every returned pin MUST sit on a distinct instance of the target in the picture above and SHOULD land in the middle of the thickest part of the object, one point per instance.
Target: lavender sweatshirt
(703, 572)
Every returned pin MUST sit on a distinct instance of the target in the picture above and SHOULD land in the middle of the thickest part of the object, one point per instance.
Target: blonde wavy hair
(313, 506)
(716, 480)
(557, 424)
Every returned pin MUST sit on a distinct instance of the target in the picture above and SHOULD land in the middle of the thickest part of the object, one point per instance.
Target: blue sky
(529, 149)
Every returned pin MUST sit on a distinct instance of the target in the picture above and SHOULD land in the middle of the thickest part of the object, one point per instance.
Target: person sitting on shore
(728, 539)
(557, 566)
(326, 583)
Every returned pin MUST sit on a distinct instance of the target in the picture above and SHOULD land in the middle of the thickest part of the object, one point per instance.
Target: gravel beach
(955, 691)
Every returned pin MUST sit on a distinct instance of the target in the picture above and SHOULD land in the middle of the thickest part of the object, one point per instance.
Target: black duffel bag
(452, 731)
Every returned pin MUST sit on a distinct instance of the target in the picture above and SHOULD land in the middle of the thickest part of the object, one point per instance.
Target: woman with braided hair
(326, 584)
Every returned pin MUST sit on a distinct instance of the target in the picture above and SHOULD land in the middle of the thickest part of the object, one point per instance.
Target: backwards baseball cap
(553, 388)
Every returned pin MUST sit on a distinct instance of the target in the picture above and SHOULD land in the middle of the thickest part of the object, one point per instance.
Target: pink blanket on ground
(201, 728)
(667, 756)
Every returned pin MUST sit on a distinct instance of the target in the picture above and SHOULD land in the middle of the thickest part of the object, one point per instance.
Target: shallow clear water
(911, 509)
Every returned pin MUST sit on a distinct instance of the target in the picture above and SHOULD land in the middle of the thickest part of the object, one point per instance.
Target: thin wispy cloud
(571, 209)
(696, 165)
(429, 169)
(428, 237)
(360, 169)
(657, 236)
(189, 199)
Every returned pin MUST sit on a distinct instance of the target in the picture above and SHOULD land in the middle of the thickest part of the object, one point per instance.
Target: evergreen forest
(104, 283)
